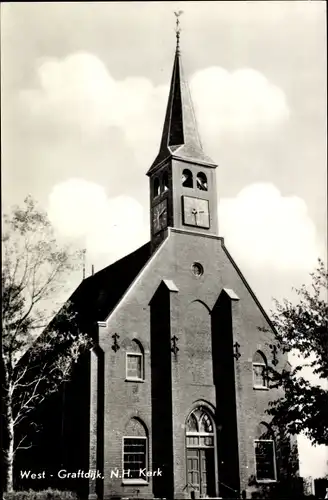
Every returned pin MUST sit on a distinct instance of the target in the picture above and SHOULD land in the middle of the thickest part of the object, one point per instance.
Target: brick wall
(192, 366)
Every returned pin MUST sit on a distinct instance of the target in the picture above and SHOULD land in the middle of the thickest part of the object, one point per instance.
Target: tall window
(156, 187)
(187, 180)
(260, 371)
(201, 181)
(135, 362)
(135, 450)
(265, 457)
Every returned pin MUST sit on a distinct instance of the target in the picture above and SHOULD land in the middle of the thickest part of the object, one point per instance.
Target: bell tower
(182, 178)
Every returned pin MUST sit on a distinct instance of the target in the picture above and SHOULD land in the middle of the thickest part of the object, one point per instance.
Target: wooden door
(193, 468)
(201, 471)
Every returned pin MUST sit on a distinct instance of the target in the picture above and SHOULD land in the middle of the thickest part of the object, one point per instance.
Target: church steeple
(182, 177)
(180, 136)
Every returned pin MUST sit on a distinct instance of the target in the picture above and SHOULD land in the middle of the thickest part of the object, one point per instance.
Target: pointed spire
(180, 137)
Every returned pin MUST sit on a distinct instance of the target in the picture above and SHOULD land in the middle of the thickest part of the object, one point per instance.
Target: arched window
(165, 182)
(201, 181)
(135, 450)
(260, 371)
(135, 362)
(200, 443)
(199, 422)
(156, 187)
(265, 454)
(187, 180)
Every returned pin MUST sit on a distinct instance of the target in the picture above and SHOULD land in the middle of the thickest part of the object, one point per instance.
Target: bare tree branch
(34, 268)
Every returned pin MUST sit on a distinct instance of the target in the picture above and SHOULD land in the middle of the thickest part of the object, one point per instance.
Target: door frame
(209, 411)
(200, 471)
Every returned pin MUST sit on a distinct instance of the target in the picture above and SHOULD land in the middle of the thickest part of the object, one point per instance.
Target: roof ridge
(117, 261)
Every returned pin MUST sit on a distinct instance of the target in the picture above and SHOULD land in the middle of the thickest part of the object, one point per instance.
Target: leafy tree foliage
(302, 328)
(34, 269)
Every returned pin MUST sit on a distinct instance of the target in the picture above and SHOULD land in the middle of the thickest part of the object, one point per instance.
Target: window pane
(156, 186)
(134, 366)
(192, 441)
(264, 455)
(205, 423)
(260, 375)
(191, 425)
(134, 456)
(202, 181)
(259, 358)
(187, 180)
(207, 441)
(165, 182)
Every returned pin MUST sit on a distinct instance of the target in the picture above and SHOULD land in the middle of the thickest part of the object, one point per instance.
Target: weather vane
(177, 28)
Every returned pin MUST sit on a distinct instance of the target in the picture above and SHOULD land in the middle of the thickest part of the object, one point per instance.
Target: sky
(84, 90)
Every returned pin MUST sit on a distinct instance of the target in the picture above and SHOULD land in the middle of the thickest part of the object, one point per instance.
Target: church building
(183, 343)
(178, 387)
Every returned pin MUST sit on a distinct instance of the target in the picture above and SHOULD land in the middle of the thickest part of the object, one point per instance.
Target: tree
(303, 328)
(34, 364)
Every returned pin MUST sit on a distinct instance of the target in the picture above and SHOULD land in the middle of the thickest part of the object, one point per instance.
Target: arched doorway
(200, 448)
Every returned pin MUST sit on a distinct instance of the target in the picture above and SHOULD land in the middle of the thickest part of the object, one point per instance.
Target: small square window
(134, 368)
(265, 460)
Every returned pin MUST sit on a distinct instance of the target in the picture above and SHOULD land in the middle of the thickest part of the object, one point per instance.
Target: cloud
(263, 228)
(79, 91)
(313, 460)
(272, 237)
(241, 101)
(80, 210)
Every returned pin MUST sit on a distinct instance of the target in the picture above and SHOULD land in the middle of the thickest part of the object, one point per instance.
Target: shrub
(48, 494)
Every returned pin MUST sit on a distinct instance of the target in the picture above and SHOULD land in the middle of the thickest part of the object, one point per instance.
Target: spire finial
(178, 29)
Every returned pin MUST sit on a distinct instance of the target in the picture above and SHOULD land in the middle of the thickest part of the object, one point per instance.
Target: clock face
(159, 216)
(196, 212)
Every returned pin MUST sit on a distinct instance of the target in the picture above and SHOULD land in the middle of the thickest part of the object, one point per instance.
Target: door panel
(207, 472)
(201, 474)
(193, 468)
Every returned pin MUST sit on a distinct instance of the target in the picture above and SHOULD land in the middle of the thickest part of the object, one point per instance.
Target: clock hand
(200, 212)
(194, 213)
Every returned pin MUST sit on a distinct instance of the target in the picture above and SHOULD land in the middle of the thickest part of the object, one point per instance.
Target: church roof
(180, 136)
(97, 295)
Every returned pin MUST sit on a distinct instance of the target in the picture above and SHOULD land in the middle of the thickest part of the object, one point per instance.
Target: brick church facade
(175, 406)
(183, 354)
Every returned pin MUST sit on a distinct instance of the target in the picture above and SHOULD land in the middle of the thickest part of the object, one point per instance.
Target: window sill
(132, 482)
(134, 380)
(260, 388)
(266, 481)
